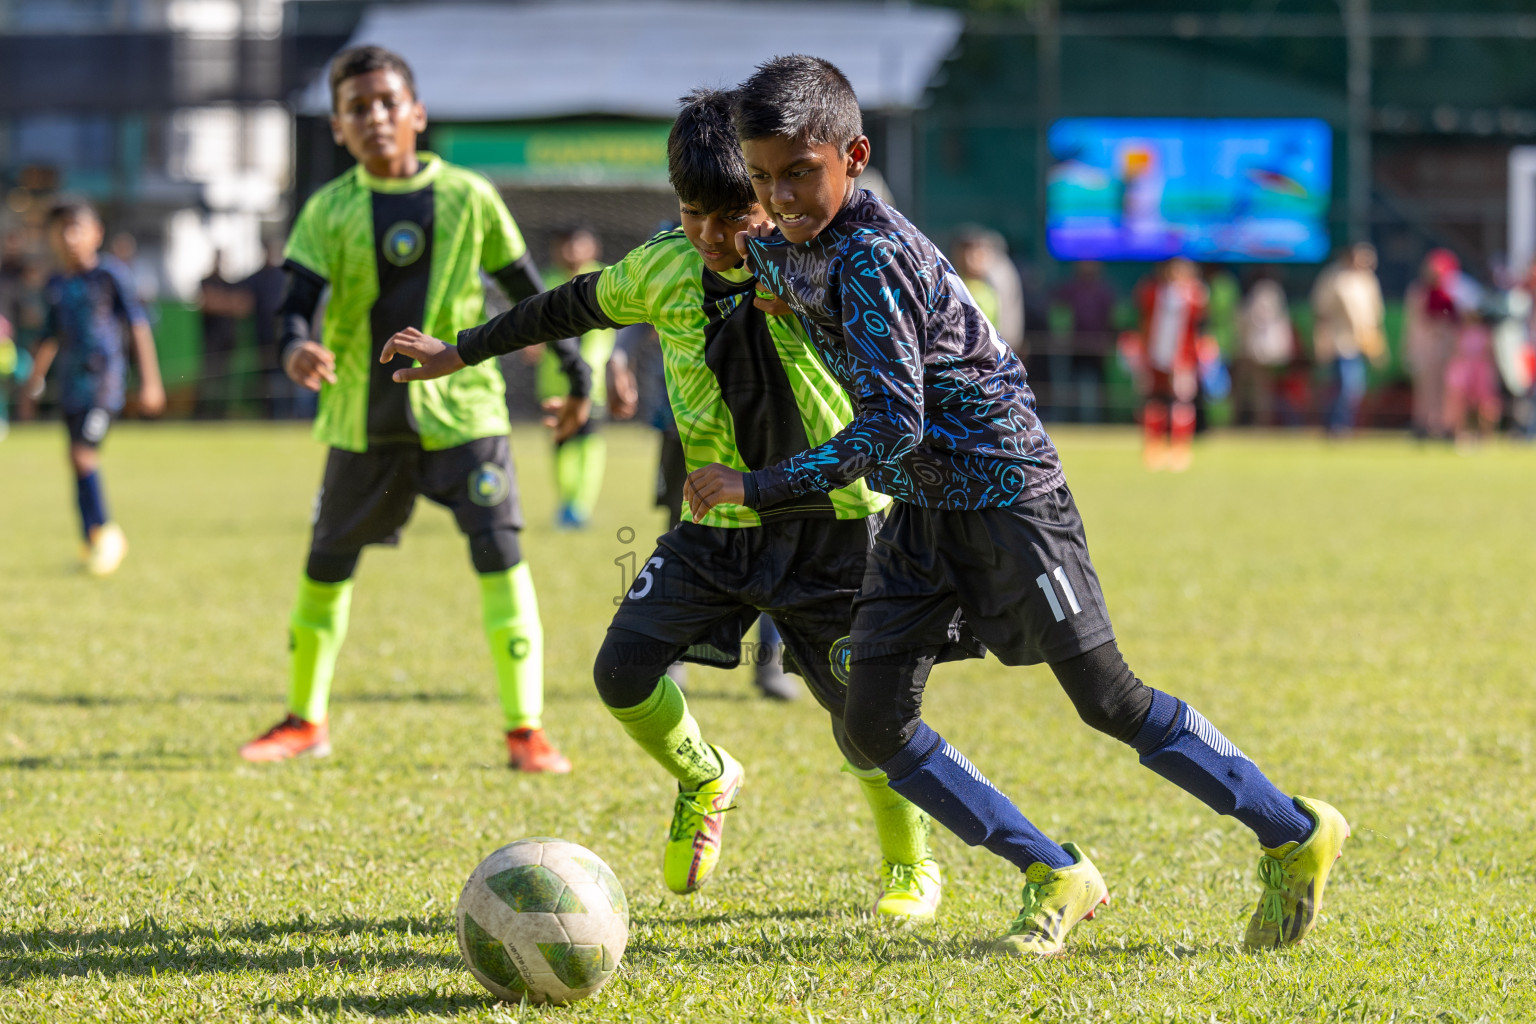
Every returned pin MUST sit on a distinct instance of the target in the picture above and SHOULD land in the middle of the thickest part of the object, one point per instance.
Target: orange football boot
(529, 750)
(292, 737)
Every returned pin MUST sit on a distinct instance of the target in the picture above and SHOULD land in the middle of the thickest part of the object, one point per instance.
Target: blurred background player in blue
(93, 317)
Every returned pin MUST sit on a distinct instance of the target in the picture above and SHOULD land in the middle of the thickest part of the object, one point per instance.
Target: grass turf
(1356, 617)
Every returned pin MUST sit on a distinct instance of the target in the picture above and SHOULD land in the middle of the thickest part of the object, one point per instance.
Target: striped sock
(1178, 743)
(942, 781)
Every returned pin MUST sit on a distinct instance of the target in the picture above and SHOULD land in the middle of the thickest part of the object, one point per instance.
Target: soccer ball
(543, 920)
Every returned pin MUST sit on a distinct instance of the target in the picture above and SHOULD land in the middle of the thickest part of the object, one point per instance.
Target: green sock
(316, 630)
(589, 486)
(902, 827)
(568, 471)
(516, 636)
(664, 729)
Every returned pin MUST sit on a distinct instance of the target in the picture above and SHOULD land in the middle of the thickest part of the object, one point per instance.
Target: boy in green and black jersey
(401, 240)
(746, 388)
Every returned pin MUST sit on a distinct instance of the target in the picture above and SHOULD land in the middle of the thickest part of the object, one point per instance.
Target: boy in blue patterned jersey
(93, 318)
(983, 547)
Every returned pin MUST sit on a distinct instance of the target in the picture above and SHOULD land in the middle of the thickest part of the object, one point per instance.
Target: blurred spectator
(1223, 308)
(146, 281)
(223, 304)
(1471, 380)
(12, 266)
(973, 259)
(1089, 302)
(1514, 347)
(1429, 334)
(1265, 346)
(264, 290)
(981, 260)
(1346, 318)
(1172, 305)
(10, 373)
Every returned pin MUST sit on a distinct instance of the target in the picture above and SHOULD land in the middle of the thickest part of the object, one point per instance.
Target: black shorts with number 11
(1014, 580)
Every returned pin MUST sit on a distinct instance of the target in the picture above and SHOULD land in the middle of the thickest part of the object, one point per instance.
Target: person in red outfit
(1172, 303)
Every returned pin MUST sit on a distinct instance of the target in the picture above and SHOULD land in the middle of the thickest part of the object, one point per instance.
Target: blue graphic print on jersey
(945, 416)
(87, 314)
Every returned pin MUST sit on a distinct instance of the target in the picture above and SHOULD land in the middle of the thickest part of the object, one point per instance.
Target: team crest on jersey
(489, 485)
(841, 657)
(404, 243)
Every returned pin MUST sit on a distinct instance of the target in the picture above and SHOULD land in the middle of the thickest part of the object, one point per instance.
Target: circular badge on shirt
(841, 657)
(404, 243)
(489, 485)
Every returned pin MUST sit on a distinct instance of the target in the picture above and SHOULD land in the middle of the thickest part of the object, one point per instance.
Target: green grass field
(1359, 618)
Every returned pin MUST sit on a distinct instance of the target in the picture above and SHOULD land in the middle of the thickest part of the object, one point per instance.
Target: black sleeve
(301, 297)
(519, 279)
(556, 317)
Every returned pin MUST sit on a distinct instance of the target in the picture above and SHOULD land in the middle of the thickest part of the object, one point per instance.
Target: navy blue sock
(1178, 743)
(93, 507)
(938, 778)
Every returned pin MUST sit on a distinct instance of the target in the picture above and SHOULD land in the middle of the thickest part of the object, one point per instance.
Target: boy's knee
(330, 566)
(884, 705)
(83, 459)
(495, 550)
(1105, 692)
(628, 667)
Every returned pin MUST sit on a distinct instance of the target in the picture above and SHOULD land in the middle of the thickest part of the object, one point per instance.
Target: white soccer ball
(543, 920)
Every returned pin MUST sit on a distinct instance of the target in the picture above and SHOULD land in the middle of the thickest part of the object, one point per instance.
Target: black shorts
(704, 586)
(88, 428)
(1015, 580)
(366, 497)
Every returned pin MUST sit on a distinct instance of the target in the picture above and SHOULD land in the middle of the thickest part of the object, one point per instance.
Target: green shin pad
(903, 829)
(516, 639)
(664, 729)
(316, 630)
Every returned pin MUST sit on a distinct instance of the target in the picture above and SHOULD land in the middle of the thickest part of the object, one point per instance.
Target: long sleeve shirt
(944, 415)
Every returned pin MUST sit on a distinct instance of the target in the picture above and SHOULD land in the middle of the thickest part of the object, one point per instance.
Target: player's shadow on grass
(113, 700)
(831, 943)
(145, 946)
(732, 917)
(109, 762)
(415, 1005)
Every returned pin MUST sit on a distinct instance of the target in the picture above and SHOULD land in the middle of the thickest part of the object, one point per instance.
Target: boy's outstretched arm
(555, 317)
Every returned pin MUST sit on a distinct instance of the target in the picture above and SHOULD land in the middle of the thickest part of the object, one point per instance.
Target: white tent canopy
(491, 62)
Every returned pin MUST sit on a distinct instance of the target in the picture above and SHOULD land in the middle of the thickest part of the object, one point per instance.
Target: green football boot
(1294, 876)
(910, 892)
(698, 819)
(1054, 901)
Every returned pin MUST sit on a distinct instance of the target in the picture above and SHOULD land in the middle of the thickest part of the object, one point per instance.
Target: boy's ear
(420, 116)
(336, 131)
(857, 155)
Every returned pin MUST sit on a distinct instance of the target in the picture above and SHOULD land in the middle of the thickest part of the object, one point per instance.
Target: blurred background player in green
(401, 240)
(581, 459)
(93, 319)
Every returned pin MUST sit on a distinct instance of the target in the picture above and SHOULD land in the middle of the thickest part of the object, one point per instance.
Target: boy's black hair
(70, 210)
(359, 60)
(798, 97)
(704, 161)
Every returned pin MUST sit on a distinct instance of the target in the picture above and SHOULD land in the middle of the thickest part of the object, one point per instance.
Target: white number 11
(1044, 583)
